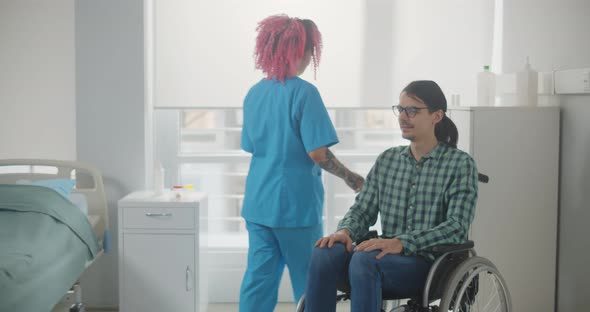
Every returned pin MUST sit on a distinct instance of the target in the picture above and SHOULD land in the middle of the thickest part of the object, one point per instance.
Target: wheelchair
(458, 281)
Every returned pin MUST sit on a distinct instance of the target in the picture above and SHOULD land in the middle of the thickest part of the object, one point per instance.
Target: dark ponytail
(446, 132)
(431, 94)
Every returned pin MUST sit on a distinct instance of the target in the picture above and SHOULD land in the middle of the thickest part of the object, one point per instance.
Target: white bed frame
(90, 185)
(12, 170)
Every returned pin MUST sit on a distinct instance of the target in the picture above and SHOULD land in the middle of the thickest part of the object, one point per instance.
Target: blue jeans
(402, 276)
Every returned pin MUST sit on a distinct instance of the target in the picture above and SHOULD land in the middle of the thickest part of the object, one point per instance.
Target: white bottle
(158, 179)
(486, 87)
(455, 100)
(527, 86)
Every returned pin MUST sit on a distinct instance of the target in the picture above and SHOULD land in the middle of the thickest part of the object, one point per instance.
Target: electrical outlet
(572, 81)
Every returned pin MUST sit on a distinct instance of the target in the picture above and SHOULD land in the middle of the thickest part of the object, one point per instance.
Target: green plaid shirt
(424, 203)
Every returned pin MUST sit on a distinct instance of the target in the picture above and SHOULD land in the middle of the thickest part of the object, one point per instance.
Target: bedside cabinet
(161, 267)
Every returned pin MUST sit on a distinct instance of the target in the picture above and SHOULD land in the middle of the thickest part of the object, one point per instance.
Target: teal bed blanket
(45, 243)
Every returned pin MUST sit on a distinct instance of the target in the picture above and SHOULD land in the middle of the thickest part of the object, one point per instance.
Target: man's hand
(342, 236)
(387, 246)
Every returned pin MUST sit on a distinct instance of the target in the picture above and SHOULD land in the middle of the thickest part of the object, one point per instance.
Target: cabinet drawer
(159, 218)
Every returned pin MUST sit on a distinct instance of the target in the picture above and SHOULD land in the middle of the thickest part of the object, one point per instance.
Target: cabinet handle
(188, 279)
(167, 214)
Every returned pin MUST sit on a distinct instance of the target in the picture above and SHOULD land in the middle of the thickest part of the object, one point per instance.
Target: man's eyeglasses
(411, 111)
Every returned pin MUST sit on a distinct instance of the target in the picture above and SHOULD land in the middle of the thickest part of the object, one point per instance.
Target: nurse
(287, 129)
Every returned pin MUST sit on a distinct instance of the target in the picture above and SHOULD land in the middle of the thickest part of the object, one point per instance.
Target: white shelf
(392, 131)
(194, 131)
(226, 196)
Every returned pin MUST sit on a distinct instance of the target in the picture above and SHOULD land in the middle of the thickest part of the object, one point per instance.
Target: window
(202, 147)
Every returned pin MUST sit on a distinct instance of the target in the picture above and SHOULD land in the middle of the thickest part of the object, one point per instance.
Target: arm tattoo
(332, 165)
(335, 167)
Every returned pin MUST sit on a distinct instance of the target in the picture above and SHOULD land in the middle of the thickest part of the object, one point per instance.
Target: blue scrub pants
(269, 251)
(368, 277)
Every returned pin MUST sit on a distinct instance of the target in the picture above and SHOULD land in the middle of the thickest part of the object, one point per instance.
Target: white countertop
(148, 198)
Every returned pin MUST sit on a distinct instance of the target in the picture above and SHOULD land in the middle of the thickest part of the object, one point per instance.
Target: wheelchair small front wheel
(476, 286)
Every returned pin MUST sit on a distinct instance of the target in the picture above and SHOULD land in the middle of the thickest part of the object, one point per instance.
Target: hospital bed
(47, 236)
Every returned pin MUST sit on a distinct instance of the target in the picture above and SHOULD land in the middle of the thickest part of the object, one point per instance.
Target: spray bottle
(486, 87)
(158, 179)
(527, 86)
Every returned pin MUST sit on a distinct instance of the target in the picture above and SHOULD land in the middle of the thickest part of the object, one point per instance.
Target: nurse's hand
(342, 236)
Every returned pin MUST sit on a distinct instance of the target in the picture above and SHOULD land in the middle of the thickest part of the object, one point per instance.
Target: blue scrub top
(282, 123)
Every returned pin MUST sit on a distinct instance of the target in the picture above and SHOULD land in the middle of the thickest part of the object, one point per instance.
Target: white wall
(110, 116)
(37, 90)
(377, 44)
(553, 33)
(445, 41)
(71, 87)
(555, 36)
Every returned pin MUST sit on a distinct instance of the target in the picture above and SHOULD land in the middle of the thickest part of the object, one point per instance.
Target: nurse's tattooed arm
(328, 161)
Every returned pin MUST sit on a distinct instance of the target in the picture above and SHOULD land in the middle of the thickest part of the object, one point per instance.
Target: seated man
(426, 194)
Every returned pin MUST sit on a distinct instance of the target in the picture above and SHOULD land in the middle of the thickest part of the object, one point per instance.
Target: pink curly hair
(281, 44)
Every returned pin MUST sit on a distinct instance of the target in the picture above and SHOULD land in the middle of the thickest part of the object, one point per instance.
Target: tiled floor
(229, 307)
(226, 307)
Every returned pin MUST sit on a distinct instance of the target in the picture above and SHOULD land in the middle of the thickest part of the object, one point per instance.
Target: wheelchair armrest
(440, 249)
(483, 178)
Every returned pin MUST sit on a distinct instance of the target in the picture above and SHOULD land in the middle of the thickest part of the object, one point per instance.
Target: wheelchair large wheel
(301, 304)
(476, 286)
